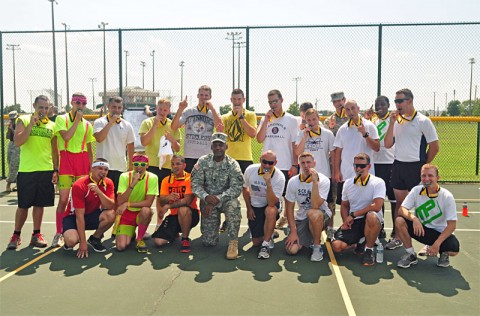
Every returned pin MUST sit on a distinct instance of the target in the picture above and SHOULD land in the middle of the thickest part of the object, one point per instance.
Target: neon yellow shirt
(152, 149)
(146, 186)
(36, 152)
(239, 143)
(83, 135)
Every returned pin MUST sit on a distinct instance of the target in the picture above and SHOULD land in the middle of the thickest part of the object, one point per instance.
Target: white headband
(100, 164)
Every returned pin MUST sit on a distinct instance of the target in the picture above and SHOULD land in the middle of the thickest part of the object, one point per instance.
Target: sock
(265, 243)
(59, 220)
(410, 250)
(16, 232)
(36, 231)
(141, 231)
(369, 248)
(317, 247)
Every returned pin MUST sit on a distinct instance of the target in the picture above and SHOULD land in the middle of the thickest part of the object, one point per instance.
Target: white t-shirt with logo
(360, 196)
(385, 155)
(258, 187)
(301, 192)
(198, 132)
(432, 212)
(320, 147)
(280, 135)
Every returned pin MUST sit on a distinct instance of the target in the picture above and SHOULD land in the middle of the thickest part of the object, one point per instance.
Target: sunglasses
(400, 100)
(268, 162)
(142, 164)
(360, 165)
(78, 103)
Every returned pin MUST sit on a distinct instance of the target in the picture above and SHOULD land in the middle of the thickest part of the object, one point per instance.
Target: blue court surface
(164, 281)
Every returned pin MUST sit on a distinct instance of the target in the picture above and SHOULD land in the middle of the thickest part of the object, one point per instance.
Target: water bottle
(380, 253)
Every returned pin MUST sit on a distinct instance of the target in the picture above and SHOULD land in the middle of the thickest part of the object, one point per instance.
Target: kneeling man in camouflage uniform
(217, 181)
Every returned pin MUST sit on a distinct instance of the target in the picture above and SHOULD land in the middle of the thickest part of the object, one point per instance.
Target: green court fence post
(247, 65)
(478, 147)
(1, 108)
(379, 74)
(120, 64)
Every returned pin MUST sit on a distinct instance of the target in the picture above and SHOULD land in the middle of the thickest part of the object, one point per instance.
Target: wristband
(55, 170)
(366, 135)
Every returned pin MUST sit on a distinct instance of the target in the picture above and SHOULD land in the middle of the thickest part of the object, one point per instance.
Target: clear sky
(356, 47)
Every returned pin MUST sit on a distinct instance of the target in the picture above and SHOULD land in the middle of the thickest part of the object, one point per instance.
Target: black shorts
(190, 162)
(406, 175)
(244, 164)
(161, 173)
(431, 235)
(256, 226)
(170, 226)
(35, 189)
(114, 175)
(330, 192)
(339, 193)
(384, 171)
(92, 221)
(353, 235)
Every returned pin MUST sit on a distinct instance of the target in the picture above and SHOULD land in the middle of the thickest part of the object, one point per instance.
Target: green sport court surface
(165, 282)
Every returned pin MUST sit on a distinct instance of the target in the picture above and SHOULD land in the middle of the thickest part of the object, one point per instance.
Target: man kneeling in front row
(433, 222)
(90, 207)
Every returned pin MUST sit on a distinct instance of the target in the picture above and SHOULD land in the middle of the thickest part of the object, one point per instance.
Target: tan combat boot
(232, 252)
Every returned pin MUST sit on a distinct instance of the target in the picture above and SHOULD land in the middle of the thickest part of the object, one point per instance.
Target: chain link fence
(306, 63)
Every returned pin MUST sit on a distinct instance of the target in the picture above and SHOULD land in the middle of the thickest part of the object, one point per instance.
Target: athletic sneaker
(407, 260)
(185, 246)
(271, 244)
(360, 248)
(223, 228)
(382, 233)
(57, 240)
(444, 260)
(141, 246)
(15, 241)
(368, 258)
(96, 244)
(393, 244)
(317, 254)
(282, 222)
(424, 251)
(65, 247)
(264, 253)
(330, 233)
(38, 241)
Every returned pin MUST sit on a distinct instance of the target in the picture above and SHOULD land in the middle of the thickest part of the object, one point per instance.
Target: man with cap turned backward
(217, 181)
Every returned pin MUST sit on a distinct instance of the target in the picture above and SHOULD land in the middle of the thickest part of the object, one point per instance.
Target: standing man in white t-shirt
(362, 200)
(318, 141)
(433, 222)
(262, 192)
(309, 189)
(411, 132)
(114, 136)
(357, 135)
(278, 131)
(199, 123)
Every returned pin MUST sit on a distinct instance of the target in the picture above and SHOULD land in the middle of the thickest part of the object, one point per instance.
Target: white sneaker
(57, 240)
(317, 254)
(271, 244)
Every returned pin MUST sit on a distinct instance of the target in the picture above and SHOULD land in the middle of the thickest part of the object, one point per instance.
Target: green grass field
(456, 159)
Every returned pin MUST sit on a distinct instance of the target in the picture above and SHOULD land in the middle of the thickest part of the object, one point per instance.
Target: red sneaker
(185, 247)
(38, 241)
(15, 241)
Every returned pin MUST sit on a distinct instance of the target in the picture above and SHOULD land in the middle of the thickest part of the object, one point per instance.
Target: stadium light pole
(92, 80)
(472, 61)
(143, 64)
(153, 69)
(13, 48)
(55, 97)
(239, 46)
(231, 36)
(102, 27)
(296, 79)
(66, 60)
(126, 67)
(182, 64)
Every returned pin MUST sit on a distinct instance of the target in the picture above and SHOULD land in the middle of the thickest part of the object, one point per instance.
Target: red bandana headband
(79, 98)
(142, 158)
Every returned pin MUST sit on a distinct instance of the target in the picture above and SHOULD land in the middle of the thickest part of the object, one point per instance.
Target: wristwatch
(351, 214)
(366, 135)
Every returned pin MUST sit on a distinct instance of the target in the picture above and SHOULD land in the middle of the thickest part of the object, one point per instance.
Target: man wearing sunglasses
(318, 140)
(362, 200)
(309, 190)
(38, 170)
(217, 181)
(136, 191)
(177, 198)
(358, 135)
(199, 123)
(90, 208)
(75, 137)
(262, 192)
(411, 132)
(114, 136)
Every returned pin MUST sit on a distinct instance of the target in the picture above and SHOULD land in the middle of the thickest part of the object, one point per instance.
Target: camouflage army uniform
(224, 180)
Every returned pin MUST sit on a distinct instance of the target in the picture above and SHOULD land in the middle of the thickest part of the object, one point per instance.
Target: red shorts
(74, 164)
(129, 218)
